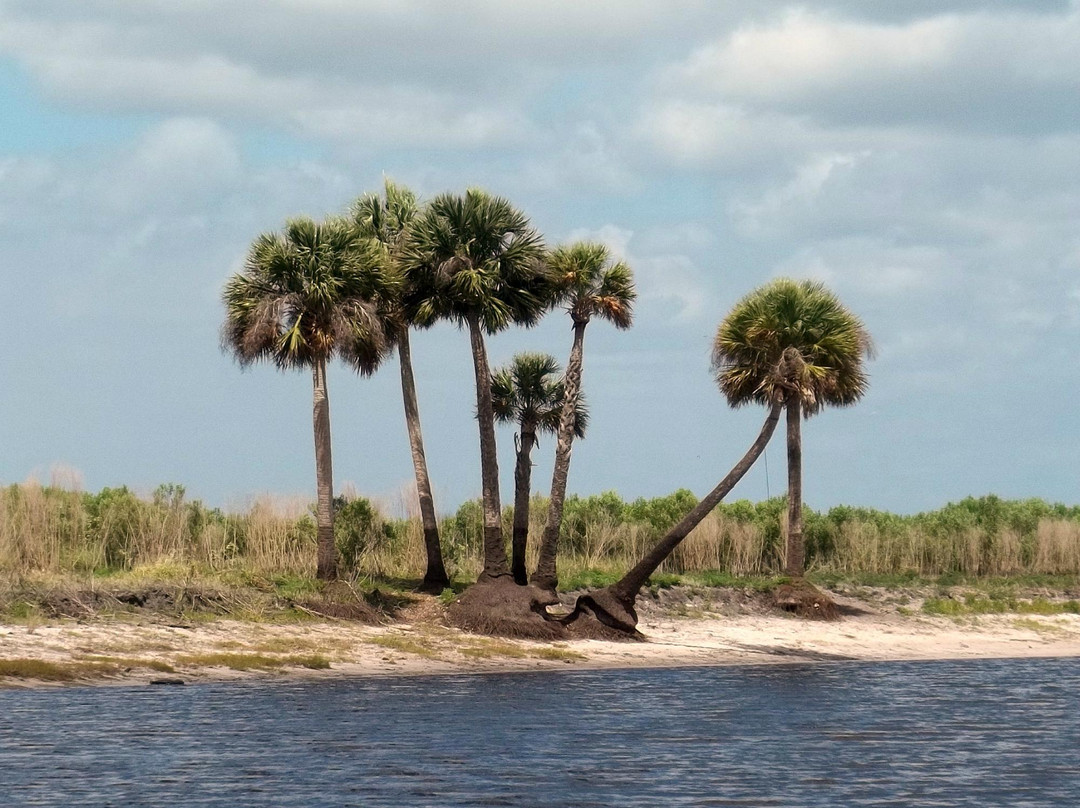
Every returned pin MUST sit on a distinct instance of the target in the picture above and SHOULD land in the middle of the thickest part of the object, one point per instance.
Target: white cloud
(673, 281)
(802, 190)
(874, 267)
(1002, 73)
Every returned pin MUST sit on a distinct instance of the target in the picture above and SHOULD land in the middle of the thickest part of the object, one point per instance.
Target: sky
(921, 158)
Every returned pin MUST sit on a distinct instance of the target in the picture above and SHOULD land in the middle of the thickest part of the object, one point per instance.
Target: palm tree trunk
(522, 491)
(324, 476)
(636, 578)
(617, 601)
(546, 575)
(435, 578)
(796, 551)
(495, 563)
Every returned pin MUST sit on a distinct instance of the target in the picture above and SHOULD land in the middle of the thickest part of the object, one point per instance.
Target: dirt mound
(502, 608)
(805, 600)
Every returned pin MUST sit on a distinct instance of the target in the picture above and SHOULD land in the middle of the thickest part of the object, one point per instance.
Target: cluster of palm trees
(353, 287)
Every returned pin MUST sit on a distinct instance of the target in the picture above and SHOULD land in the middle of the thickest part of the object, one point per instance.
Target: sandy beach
(142, 651)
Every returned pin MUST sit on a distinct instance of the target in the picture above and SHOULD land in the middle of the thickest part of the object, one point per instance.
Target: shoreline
(115, 652)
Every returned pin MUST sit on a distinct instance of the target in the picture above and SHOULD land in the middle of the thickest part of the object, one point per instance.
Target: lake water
(979, 733)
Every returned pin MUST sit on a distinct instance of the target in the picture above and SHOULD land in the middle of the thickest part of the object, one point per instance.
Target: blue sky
(921, 158)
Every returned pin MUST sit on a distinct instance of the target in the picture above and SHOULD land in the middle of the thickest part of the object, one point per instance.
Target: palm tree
(590, 286)
(387, 220)
(529, 392)
(819, 346)
(311, 292)
(482, 266)
(614, 605)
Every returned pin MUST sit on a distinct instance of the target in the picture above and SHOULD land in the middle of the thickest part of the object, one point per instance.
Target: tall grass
(55, 529)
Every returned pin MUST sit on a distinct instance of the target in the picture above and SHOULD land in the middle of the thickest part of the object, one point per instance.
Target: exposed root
(805, 600)
(609, 609)
(501, 608)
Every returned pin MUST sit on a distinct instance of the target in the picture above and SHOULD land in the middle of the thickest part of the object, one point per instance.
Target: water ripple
(982, 733)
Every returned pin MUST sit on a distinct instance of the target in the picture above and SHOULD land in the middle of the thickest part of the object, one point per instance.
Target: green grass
(53, 671)
(247, 662)
(720, 578)
(974, 603)
(393, 642)
(132, 662)
(588, 578)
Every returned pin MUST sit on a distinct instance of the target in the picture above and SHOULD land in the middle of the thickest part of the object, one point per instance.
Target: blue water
(980, 733)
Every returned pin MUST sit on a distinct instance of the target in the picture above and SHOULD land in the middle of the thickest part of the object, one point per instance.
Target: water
(980, 733)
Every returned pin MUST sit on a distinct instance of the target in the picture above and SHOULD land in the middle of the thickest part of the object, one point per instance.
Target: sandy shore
(121, 652)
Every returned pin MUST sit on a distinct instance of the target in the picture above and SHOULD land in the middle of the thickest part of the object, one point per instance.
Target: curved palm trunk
(546, 575)
(435, 578)
(796, 551)
(522, 490)
(495, 563)
(617, 601)
(324, 477)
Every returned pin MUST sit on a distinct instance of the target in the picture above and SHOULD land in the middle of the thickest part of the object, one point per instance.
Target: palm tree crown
(530, 391)
(311, 292)
(483, 260)
(591, 285)
(792, 336)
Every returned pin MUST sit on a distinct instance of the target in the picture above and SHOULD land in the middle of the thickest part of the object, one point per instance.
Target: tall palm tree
(590, 286)
(482, 266)
(529, 392)
(311, 292)
(387, 219)
(819, 346)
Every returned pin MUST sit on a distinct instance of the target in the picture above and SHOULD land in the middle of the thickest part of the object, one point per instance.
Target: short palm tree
(312, 292)
(529, 392)
(590, 285)
(795, 342)
(387, 219)
(481, 265)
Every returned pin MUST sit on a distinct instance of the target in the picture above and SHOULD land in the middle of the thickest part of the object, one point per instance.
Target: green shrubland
(45, 530)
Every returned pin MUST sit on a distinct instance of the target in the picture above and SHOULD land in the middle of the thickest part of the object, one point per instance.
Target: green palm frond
(792, 336)
(530, 391)
(590, 285)
(475, 255)
(315, 290)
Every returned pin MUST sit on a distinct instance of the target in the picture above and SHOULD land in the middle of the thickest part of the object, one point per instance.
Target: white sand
(402, 649)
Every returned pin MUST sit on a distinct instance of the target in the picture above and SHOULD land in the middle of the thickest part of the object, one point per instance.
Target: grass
(486, 649)
(248, 662)
(721, 578)
(132, 662)
(44, 671)
(974, 603)
(406, 645)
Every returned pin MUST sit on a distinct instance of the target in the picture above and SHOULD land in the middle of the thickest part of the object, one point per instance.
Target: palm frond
(754, 344)
(312, 291)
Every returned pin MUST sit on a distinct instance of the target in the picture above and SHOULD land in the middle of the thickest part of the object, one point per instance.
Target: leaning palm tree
(306, 294)
(761, 354)
(590, 285)
(387, 220)
(529, 392)
(481, 265)
(805, 326)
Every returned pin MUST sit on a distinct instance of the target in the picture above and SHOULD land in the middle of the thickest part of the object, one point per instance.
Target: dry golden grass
(57, 530)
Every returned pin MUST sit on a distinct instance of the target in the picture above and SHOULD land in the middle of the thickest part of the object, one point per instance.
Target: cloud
(667, 282)
(802, 190)
(1015, 73)
(416, 72)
